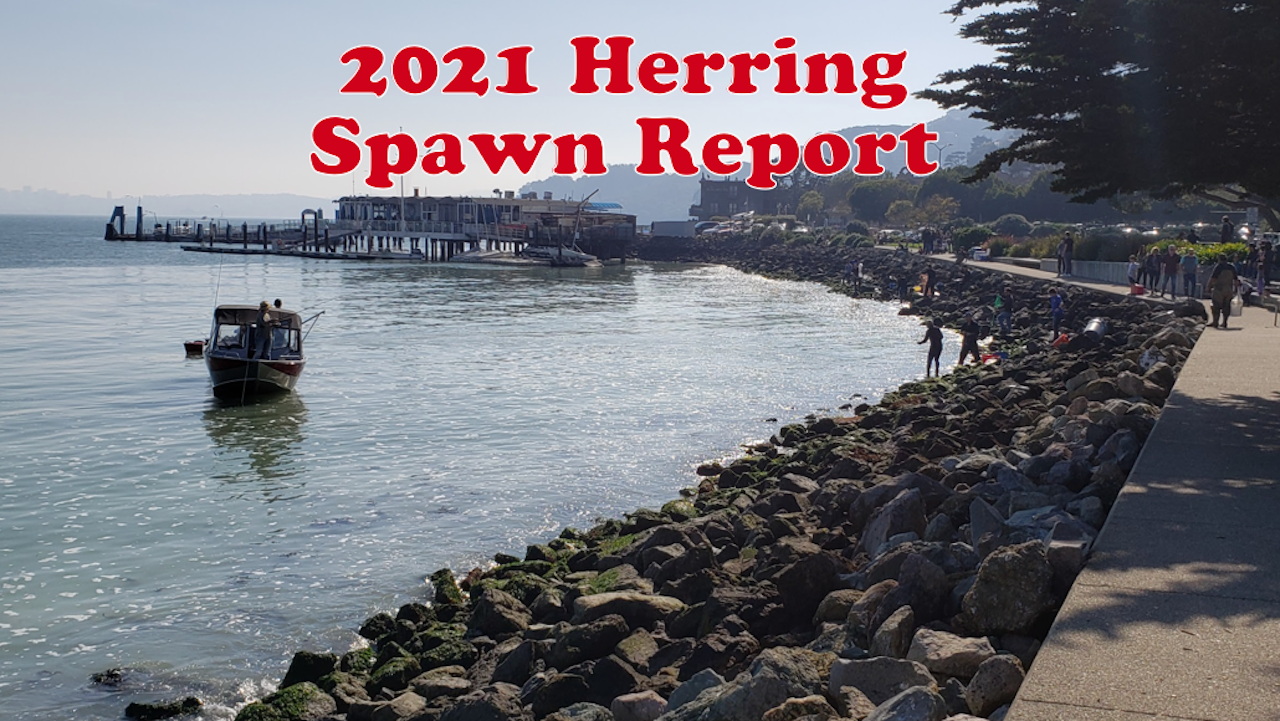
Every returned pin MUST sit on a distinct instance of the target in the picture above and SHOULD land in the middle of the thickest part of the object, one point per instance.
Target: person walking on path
(1171, 263)
(1190, 266)
(933, 336)
(1135, 272)
(1056, 311)
(1068, 250)
(1264, 265)
(1223, 283)
(1227, 233)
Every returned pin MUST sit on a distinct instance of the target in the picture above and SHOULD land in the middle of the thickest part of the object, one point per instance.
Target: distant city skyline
(149, 98)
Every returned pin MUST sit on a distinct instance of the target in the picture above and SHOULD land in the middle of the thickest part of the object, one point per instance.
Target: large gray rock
(495, 702)
(637, 648)
(691, 689)
(406, 705)
(641, 706)
(435, 685)
(894, 635)
(914, 704)
(835, 605)
(879, 678)
(994, 684)
(582, 711)
(814, 707)
(948, 654)
(776, 675)
(499, 614)
(905, 513)
(1012, 589)
(639, 609)
(590, 640)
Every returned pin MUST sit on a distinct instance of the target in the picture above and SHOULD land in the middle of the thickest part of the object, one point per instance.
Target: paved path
(1177, 615)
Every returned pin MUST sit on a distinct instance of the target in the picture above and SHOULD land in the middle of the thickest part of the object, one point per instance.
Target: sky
(167, 97)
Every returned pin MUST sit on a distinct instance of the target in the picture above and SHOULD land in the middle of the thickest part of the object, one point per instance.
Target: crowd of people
(1159, 271)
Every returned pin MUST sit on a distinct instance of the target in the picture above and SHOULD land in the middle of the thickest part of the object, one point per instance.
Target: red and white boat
(247, 360)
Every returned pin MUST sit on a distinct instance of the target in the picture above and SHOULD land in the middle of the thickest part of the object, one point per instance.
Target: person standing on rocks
(1056, 310)
(1223, 283)
(926, 281)
(969, 340)
(932, 336)
(1004, 310)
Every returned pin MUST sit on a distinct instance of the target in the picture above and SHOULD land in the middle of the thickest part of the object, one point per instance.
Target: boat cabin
(236, 333)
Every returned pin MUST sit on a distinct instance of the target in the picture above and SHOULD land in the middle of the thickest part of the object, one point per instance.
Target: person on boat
(263, 332)
(278, 304)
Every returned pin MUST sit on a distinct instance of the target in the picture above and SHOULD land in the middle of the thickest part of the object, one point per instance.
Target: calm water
(446, 413)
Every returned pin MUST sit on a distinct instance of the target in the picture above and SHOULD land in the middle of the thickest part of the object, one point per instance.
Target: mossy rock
(156, 711)
(610, 546)
(679, 510)
(536, 568)
(447, 591)
(435, 635)
(600, 583)
(450, 653)
(300, 701)
(395, 674)
(378, 626)
(540, 552)
(524, 586)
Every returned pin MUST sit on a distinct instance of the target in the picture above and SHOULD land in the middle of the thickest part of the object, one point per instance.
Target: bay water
(446, 413)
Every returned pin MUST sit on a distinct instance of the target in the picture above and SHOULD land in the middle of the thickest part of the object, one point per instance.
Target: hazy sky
(160, 97)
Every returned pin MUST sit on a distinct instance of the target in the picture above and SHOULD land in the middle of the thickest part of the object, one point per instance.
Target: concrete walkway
(1177, 614)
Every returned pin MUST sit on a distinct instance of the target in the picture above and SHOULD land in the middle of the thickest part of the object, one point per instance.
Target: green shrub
(1211, 254)
(1049, 230)
(773, 235)
(1013, 225)
(998, 247)
(857, 226)
(972, 237)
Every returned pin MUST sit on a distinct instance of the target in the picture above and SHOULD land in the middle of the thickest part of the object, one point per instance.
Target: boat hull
(235, 378)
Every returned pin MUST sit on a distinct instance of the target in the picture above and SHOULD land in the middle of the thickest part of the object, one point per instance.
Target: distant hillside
(274, 206)
(649, 198)
(962, 140)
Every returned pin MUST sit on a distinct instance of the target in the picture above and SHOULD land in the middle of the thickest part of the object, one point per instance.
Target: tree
(1012, 225)
(901, 212)
(1155, 97)
(938, 210)
(870, 199)
(810, 205)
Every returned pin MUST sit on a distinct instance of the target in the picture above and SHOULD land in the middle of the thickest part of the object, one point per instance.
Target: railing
(393, 226)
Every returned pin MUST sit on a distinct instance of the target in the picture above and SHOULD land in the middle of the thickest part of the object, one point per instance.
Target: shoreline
(919, 546)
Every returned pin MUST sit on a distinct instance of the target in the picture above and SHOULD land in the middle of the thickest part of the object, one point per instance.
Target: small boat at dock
(254, 351)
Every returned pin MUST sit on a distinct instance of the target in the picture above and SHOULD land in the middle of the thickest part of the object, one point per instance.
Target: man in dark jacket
(1222, 288)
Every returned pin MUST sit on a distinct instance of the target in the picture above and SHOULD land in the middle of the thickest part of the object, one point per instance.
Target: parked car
(704, 226)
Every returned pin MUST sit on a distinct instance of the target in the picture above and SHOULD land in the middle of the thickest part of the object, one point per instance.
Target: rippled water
(446, 413)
